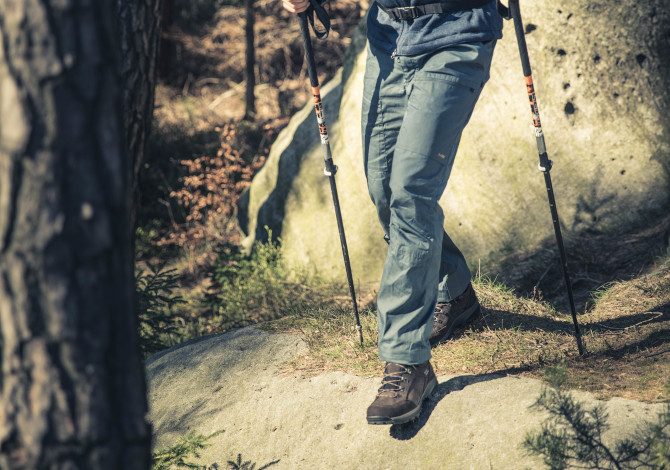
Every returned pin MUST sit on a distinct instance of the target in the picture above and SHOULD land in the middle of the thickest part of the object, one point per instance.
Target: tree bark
(72, 392)
(249, 74)
(139, 26)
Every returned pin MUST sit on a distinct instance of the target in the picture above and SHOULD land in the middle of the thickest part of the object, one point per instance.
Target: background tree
(72, 384)
(250, 62)
(139, 27)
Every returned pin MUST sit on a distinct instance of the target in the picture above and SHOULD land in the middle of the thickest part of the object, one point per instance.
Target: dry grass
(201, 90)
(627, 335)
(206, 66)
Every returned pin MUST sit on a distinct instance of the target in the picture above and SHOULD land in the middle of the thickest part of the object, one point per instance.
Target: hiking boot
(401, 395)
(451, 315)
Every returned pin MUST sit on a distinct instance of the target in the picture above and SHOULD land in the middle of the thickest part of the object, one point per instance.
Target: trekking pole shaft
(330, 168)
(545, 163)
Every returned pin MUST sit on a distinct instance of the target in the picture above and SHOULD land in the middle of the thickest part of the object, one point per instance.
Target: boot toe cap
(389, 410)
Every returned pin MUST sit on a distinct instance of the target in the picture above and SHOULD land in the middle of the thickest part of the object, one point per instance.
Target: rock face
(602, 74)
(233, 383)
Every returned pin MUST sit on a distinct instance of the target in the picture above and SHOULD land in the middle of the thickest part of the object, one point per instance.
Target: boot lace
(439, 316)
(391, 383)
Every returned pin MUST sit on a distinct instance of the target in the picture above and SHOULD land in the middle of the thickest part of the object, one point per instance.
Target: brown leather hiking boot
(451, 315)
(401, 395)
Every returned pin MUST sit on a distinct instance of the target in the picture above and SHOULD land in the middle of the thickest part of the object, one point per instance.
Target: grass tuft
(250, 289)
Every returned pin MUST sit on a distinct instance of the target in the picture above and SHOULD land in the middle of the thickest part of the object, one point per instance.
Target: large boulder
(602, 73)
(237, 384)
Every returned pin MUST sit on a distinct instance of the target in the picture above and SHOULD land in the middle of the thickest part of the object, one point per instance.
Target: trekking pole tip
(359, 329)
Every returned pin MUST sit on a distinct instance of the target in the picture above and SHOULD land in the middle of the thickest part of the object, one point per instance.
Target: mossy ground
(627, 335)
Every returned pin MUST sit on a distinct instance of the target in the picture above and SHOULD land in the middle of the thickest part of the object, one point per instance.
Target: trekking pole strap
(504, 11)
(316, 9)
(413, 12)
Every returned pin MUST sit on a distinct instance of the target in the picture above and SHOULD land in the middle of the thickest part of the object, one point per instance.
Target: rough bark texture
(139, 26)
(72, 384)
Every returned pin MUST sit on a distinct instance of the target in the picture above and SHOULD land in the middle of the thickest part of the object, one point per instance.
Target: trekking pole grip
(309, 50)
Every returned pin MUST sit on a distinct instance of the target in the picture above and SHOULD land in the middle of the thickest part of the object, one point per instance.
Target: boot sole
(410, 415)
(461, 320)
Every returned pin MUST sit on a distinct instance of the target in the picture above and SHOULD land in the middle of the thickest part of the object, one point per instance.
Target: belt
(450, 6)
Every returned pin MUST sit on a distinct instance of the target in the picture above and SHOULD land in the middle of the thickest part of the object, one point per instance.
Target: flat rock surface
(234, 383)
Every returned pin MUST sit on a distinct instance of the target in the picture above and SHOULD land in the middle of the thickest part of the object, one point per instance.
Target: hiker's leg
(384, 103)
(384, 99)
(443, 93)
(454, 274)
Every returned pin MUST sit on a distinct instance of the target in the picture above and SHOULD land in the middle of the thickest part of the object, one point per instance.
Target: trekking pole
(330, 167)
(514, 12)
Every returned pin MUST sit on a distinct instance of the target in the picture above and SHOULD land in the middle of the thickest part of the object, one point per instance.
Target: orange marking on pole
(530, 89)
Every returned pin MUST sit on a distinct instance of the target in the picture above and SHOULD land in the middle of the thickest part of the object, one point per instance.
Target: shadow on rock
(495, 320)
(404, 432)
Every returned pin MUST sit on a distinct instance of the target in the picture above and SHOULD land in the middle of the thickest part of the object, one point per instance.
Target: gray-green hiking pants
(414, 111)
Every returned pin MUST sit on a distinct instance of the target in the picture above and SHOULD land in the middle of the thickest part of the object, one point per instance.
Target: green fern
(188, 447)
(180, 454)
(155, 295)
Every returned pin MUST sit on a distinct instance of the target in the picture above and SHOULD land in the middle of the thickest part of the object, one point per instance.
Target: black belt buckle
(405, 13)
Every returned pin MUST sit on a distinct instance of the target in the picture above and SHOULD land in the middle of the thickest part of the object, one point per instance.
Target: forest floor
(198, 125)
(202, 154)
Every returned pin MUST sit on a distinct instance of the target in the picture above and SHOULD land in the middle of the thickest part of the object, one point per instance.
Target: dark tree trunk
(72, 383)
(166, 47)
(249, 74)
(139, 26)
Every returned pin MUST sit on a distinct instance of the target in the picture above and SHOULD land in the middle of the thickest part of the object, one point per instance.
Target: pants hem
(449, 294)
(405, 359)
